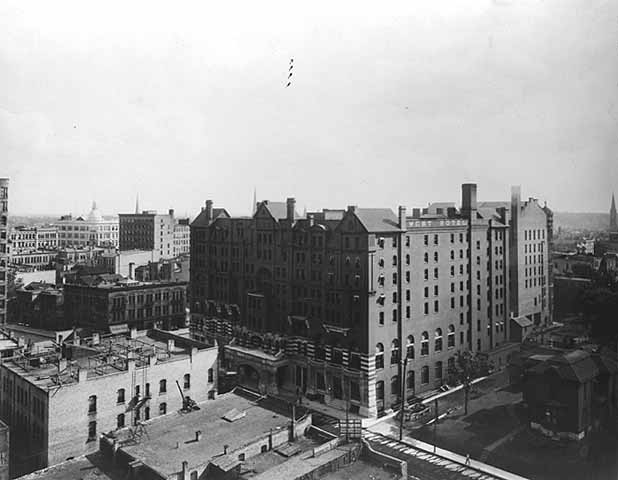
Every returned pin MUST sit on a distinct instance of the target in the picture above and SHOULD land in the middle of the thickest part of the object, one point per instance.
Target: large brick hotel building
(327, 305)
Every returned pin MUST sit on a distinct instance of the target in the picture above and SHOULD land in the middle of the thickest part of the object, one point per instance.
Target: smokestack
(198, 435)
(468, 199)
(131, 270)
(225, 447)
(208, 210)
(291, 204)
(402, 217)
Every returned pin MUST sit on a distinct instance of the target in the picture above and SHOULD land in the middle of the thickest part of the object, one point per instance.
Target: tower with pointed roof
(613, 224)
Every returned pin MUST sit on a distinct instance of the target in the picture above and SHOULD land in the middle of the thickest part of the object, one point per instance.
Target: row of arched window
(411, 379)
(395, 354)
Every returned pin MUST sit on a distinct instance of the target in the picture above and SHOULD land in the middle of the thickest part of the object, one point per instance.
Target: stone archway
(249, 377)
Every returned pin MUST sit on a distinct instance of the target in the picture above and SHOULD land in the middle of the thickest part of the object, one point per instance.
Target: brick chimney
(290, 205)
(402, 217)
(208, 210)
(468, 199)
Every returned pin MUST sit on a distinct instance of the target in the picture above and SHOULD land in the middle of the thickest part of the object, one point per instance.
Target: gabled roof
(378, 219)
(278, 210)
(576, 366)
(523, 321)
(201, 219)
(489, 213)
(494, 204)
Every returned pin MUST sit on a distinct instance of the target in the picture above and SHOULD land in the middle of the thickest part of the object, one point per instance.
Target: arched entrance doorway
(248, 377)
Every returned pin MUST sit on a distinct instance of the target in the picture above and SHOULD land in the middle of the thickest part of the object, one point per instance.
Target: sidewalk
(317, 406)
(370, 422)
(392, 432)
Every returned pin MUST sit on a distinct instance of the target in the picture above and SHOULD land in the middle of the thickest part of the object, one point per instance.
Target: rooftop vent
(233, 415)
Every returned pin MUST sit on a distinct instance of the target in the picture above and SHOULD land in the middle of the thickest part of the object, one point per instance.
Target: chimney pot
(198, 435)
(352, 208)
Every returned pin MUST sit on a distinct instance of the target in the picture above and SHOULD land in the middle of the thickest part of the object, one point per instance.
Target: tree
(600, 308)
(466, 367)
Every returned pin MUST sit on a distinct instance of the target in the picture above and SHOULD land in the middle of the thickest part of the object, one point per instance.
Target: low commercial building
(166, 269)
(31, 238)
(40, 305)
(108, 300)
(208, 443)
(58, 403)
(33, 260)
(566, 393)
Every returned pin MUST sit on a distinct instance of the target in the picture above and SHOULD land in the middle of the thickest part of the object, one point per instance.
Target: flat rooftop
(105, 356)
(89, 467)
(170, 439)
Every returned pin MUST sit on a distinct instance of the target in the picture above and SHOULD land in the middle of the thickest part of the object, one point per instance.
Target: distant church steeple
(613, 223)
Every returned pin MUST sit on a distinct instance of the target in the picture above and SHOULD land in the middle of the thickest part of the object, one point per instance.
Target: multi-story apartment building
(167, 235)
(94, 230)
(4, 249)
(24, 239)
(58, 403)
(107, 301)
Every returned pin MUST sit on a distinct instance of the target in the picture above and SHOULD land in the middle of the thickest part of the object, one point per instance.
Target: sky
(390, 103)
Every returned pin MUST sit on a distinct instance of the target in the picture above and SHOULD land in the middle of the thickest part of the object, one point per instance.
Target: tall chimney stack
(468, 199)
(402, 217)
(208, 210)
(290, 204)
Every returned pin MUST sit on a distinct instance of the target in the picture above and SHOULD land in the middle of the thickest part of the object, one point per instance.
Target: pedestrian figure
(468, 459)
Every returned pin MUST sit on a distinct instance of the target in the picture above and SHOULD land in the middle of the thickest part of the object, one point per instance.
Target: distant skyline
(389, 104)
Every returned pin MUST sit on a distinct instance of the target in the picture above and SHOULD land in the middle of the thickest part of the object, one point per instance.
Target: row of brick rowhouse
(331, 304)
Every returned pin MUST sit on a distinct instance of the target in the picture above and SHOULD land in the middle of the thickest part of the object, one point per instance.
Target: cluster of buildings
(36, 247)
(127, 355)
(594, 261)
(330, 306)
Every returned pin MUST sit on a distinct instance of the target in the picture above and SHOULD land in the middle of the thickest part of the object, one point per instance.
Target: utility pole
(404, 364)
(347, 409)
(435, 423)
